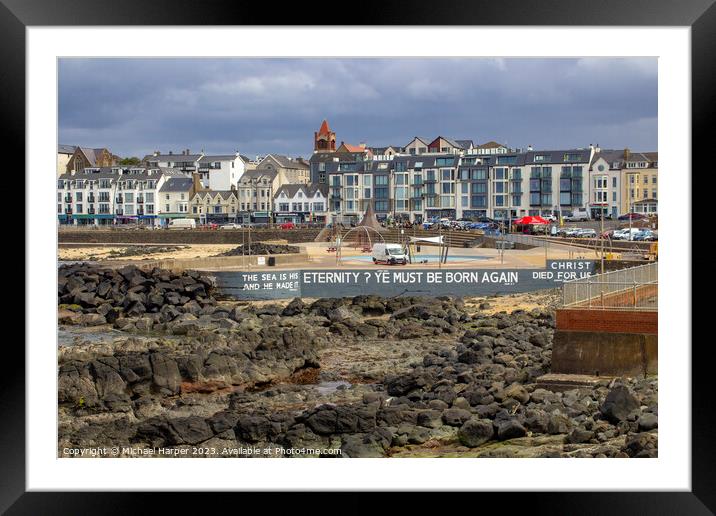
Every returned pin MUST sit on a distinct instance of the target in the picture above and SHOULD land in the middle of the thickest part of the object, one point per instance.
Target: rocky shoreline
(350, 377)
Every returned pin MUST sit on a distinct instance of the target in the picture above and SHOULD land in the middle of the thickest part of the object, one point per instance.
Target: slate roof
(286, 162)
(308, 190)
(177, 184)
(217, 157)
(66, 149)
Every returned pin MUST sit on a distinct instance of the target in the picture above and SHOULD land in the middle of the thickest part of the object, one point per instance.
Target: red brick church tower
(325, 139)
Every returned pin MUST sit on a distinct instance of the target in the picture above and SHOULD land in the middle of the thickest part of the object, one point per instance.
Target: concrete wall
(185, 236)
(604, 354)
(214, 262)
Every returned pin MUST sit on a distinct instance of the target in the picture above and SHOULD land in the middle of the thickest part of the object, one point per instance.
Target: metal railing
(635, 288)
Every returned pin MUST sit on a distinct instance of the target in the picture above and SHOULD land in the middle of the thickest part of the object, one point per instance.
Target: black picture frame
(700, 15)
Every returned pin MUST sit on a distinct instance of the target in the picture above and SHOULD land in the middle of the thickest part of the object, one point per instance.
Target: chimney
(529, 147)
(171, 153)
(196, 184)
(187, 152)
(626, 154)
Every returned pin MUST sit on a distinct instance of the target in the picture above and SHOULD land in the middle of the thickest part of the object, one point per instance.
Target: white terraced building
(111, 195)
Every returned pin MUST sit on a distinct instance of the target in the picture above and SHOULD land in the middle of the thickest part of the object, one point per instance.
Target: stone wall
(188, 236)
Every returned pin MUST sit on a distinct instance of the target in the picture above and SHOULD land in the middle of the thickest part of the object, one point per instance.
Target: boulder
(475, 432)
(618, 404)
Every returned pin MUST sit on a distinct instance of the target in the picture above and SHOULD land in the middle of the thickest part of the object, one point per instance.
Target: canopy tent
(524, 221)
(435, 240)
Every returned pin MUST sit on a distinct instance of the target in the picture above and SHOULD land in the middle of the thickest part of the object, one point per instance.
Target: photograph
(357, 257)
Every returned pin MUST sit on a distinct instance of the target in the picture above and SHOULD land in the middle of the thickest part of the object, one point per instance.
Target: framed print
(422, 244)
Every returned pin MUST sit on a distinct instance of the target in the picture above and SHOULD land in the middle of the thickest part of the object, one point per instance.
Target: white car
(625, 234)
(231, 225)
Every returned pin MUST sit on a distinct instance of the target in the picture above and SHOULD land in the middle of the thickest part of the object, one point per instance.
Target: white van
(578, 215)
(391, 254)
(182, 224)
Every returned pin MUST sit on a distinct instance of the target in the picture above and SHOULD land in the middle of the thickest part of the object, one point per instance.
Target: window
(614, 182)
(166, 207)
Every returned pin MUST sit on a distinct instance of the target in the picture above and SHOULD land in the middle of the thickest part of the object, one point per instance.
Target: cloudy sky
(258, 106)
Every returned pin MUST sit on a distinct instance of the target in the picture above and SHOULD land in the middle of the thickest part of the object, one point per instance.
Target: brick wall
(610, 321)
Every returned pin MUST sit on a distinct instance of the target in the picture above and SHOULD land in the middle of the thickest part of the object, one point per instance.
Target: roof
(465, 144)
(490, 145)
(324, 128)
(172, 157)
(353, 148)
(224, 194)
(128, 172)
(427, 160)
(426, 141)
(218, 157)
(287, 162)
(66, 149)
(557, 156)
(308, 190)
(91, 154)
(453, 143)
(257, 174)
(177, 184)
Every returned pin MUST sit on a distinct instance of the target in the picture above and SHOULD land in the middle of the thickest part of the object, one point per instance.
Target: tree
(130, 161)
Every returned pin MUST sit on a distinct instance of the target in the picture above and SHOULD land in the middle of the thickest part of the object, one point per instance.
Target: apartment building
(299, 203)
(255, 193)
(221, 171)
(184, 161)
(640, 182)
(110, 195)
(605, 193)
(426, 186)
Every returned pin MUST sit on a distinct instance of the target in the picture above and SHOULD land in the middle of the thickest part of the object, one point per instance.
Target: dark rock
(618, 404)
(475, 432)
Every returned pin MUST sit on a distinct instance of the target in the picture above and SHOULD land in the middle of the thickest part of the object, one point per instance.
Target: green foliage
(130, 161)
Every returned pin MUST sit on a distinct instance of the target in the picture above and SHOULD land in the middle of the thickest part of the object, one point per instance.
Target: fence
(635, 288)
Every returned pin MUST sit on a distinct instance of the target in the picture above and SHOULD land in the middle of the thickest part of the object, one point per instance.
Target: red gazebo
(525, 221)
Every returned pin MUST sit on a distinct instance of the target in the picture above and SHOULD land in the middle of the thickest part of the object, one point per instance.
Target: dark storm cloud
(135, 106)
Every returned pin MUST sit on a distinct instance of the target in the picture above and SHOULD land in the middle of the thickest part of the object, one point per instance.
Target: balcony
(90, 211)
(119, 200)
(68, 198)
(91, 200)
(140, 200)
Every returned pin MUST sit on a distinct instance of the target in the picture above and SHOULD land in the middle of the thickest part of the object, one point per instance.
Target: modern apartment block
(425, 186)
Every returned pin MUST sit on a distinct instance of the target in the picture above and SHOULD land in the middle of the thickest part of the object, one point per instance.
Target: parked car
(231, 225)
(646, 235)
(577, 216)
(586, 233)
(549, 218)
(607, 234)
(625, 234)
(632, 216)
(287, 225)
(390, 254)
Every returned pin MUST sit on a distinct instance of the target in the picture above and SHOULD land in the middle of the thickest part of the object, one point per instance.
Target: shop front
(91, 219)
(283, 217)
